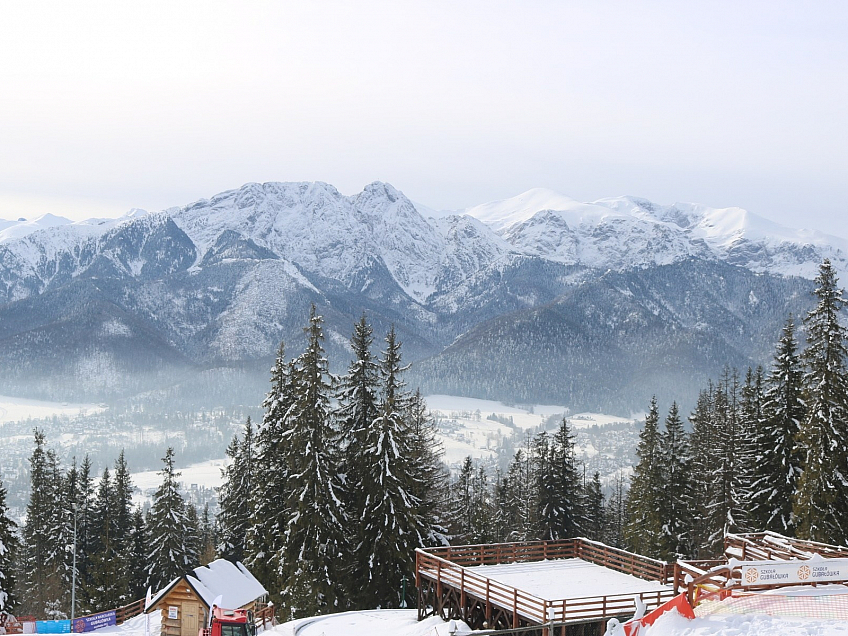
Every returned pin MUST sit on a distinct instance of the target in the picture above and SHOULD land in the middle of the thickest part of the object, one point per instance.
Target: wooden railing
(447, 566)
(128, 611)
(767, 546)
(626, 562)
(264, 617)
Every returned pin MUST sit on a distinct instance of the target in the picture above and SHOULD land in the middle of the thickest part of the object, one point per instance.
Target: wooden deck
(449, 586)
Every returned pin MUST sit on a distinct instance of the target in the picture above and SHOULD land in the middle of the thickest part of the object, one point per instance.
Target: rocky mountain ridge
(222, 280)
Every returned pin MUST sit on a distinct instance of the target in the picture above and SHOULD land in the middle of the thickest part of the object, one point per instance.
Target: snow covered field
(206, 474)
(404, 623)
(15, 409)
(566, 578)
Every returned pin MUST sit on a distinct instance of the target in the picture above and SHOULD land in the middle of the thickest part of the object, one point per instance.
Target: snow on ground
(522, 416)
(134, 626)
(15, 409)
(566, 578)
(672, 624)
(477, 428)
(404, 623)
(368, 623)
(206, 474)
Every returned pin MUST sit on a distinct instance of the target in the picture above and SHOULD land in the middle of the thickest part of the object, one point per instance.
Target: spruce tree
(42, 585)
(595, 513)
(357, 409)
(272, 490)
(643, 529)
(430, 485)
(674, 506)
(703, 459)
(392, 524)
(103, 590)
(8, 554)
(750, 423)
(122, 519)
(207, 537)
(169, 555)
(461, 529)
(616, 513)
(821, 501)
(193, 541)
(778, 462)
(235, 497)
(313, 553)
(558, 495)
(137, 551)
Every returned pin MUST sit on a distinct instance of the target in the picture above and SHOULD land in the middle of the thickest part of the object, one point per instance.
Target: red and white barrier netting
(826, 602)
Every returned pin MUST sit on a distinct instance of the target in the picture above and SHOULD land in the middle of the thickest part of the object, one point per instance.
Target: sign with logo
(793, 572)
(173, 612)
(95, 621)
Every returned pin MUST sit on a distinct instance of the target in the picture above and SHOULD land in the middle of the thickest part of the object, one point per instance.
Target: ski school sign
(794, 572)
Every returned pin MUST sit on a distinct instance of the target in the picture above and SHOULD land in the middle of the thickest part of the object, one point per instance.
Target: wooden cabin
(185, 602)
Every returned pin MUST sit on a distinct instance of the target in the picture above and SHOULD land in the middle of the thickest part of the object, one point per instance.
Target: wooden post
(440, 605)
(514, 608)
(462, 599)
(563, 618)
(488, 607)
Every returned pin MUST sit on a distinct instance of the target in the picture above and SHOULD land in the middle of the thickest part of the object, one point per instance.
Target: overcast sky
(105, 106)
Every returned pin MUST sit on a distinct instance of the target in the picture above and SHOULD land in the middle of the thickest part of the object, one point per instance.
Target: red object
(679, 602)
(227, 622)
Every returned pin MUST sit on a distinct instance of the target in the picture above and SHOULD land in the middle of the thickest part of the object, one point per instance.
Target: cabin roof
(231, 581)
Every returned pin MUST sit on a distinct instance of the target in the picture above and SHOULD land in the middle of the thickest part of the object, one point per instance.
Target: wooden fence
(447, 588)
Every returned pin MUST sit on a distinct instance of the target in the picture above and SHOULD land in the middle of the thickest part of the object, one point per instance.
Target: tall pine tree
(392, 524)
(821, 501)
(170, 554)
(272, 490)
(314, 552)
(675, 503)
(643, 528)
(235, 497)
(8, 554)
(778, 461)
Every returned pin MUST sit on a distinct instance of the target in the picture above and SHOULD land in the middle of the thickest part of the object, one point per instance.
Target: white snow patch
(566, 578)
(369, 623)
(13, 409)
(206, 474)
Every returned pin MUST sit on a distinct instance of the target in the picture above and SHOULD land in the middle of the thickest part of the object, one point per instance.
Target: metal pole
(74, 572)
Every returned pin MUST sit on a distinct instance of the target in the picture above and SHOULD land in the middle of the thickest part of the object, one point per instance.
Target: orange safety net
(817, 604)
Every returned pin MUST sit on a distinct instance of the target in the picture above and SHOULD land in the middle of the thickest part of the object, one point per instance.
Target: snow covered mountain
(222, 280)
(624, 232)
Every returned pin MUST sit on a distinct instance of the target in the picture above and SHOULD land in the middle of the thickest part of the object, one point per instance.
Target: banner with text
(793, 572)
(95, 621)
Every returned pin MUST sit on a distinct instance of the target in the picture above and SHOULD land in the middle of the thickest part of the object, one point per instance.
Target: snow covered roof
(231, 581)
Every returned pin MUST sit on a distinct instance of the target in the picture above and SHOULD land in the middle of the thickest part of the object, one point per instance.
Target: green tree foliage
(595, 513)
(9, 545)
(235, 497)
(675, 502)
(643, 528)
(168, 530)
(821, 500)
(778, 461)
(272, 490)
(313, 552)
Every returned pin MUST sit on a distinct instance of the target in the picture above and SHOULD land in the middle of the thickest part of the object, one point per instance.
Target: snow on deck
(559, 579)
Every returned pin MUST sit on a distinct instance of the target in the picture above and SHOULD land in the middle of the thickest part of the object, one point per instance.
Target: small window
(233, 630)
